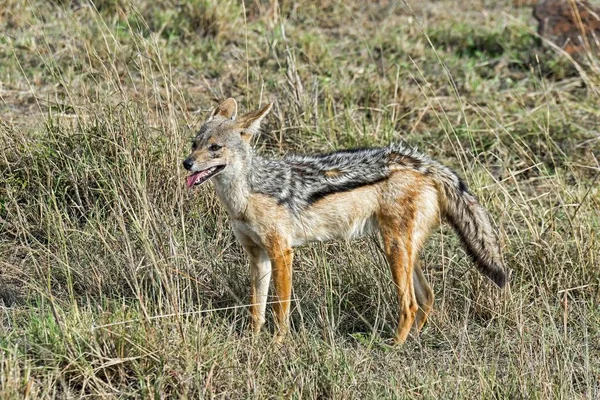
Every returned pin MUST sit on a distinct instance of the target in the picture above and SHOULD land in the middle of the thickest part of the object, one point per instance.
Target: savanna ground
(117, 282)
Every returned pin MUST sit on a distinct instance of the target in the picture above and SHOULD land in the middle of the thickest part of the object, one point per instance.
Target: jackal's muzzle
(199, 177)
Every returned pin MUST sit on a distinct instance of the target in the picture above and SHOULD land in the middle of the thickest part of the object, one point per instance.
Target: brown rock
(572, 25)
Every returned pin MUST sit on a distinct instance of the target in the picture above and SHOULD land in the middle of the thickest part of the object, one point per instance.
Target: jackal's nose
(187, 164)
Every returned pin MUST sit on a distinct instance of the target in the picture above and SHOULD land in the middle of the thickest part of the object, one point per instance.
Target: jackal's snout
(188, 164)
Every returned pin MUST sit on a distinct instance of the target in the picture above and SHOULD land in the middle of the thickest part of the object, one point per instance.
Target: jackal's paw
(255, 327)
(418, 326)
(399, 340)
(280, 336)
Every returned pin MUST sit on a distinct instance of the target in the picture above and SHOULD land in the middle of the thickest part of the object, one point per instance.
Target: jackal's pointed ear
(250, 122)
(227, 109)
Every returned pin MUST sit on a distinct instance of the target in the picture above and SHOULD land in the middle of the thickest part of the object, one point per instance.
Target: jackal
(275, 205)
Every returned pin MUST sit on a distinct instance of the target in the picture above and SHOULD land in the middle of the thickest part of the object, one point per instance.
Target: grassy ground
(116, 282)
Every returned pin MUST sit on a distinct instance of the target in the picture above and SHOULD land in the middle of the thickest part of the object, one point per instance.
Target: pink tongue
(190, 180)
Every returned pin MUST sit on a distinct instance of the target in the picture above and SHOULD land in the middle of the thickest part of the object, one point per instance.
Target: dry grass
(116, 282)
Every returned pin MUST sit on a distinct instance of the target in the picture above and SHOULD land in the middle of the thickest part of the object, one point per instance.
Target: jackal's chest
(248, 233)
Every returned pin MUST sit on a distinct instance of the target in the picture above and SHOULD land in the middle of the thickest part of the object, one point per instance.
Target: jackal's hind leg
(399, 255)
(424, 296)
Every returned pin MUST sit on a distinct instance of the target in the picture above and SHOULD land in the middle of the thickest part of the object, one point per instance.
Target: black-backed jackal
(275, 205)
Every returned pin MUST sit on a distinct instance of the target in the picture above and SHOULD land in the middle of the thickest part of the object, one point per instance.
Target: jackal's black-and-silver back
(300, 180)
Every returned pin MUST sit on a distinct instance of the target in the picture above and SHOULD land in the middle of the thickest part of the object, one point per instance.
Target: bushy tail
(471, 222)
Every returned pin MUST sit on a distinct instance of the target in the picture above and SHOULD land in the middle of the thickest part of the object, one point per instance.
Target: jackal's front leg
(260, 277)
(281, 260)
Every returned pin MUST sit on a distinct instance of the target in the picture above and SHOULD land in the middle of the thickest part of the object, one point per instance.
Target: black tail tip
(499, 277)
(495, 271)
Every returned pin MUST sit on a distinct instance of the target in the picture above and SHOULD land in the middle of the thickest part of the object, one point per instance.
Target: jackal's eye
(214, 147)
(194, 145)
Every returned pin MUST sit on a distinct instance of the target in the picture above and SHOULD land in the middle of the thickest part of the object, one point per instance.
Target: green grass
(116, 282)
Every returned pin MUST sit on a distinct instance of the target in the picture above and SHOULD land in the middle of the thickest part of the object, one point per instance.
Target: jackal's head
(223, 143)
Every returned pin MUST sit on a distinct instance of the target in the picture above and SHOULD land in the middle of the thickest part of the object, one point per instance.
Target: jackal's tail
(471, 222)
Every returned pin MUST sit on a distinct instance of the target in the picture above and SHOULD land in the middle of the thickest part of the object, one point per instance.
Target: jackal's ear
(227, 109)
(250, 122)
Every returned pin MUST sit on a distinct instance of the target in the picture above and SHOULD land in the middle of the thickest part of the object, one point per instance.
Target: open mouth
(198, 178)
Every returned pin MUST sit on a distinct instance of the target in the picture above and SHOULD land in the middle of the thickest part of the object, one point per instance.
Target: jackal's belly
(343, 216)
(332, 227)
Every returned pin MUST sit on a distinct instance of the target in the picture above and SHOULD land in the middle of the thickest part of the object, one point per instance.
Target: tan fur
(333, 173)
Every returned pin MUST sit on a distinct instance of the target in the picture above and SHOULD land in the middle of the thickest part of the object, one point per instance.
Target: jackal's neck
(232, 186)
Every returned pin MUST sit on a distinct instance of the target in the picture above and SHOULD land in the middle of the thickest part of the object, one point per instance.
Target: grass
(116, 282)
